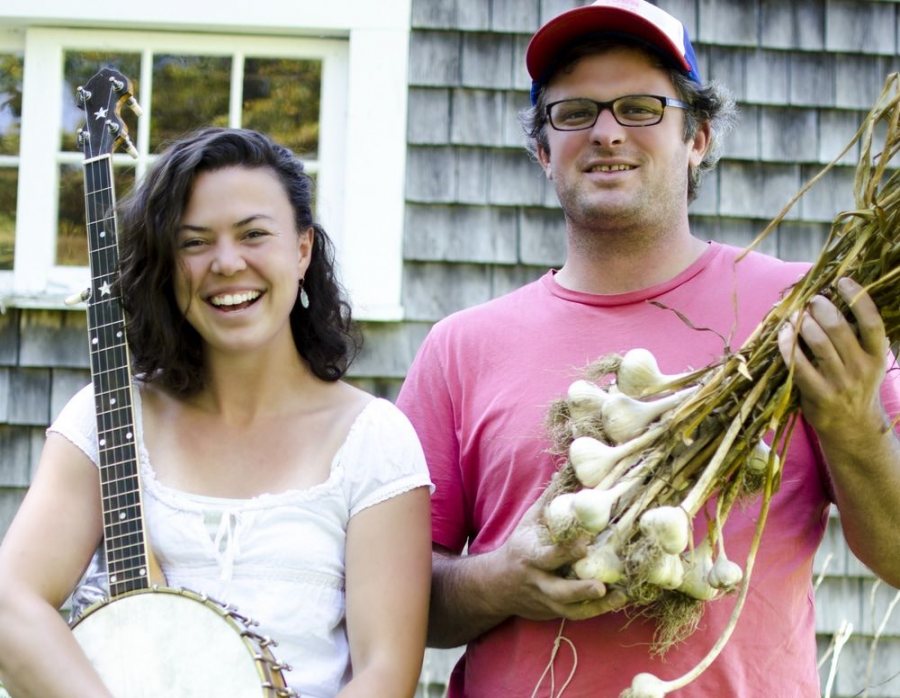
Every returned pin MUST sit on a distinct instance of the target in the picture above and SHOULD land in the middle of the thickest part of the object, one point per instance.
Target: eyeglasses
(630, 110)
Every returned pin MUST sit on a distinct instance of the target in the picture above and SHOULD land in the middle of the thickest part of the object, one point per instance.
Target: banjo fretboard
(123, 529)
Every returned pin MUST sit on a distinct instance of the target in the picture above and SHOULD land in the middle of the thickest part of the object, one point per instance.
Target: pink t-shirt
(478, 395)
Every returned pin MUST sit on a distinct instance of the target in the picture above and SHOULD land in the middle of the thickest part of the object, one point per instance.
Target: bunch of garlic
(615, 503)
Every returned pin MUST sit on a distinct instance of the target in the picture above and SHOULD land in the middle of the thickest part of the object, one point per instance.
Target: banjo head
(172, 642)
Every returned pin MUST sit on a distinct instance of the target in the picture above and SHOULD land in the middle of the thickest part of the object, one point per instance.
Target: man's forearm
(866, 476)
(462, 603)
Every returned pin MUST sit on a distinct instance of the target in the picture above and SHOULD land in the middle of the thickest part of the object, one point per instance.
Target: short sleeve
(381, 457)
(428, 401)
(77, 422)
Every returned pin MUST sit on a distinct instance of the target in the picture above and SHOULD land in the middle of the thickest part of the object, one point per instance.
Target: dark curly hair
(710, 103)
(165, 348)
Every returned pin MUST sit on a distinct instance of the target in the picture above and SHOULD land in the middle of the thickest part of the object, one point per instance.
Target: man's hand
(533, 588)
(839, 383)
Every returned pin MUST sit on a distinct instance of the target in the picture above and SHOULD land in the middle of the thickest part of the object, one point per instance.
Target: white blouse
(278, 558)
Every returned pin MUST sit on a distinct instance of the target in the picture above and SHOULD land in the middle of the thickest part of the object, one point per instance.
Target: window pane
(9, 177)
(281, 99)
(188, 92)
(81, 66)
(71, 239)
(10, 104)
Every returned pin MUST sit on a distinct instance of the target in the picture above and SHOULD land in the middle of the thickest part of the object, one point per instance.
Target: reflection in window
(11, 67)
(281, 99)
(188, 92)
(9, 182)
(71, 241)
(78, 68)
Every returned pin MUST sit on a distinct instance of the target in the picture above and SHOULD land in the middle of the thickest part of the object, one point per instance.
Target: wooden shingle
(812, 80)
(788, 134)
(389, 348)
(10, 499)
(487, 60)
(768, 76)
(836, 130)
(431, 174)
(433, 290)
(860, 27)
(29, 391)
(9, 337)
(830, 195)
(473, 174)
(542, 236)
(731, 23)
(515, 179)
(15, 445)
(428, 119)
(792, 24)
(859, 79)
(514, 15)
(758, 191)
(473, 15)
(434, 58)
(54, 338)
(743, 142)
(64, 383)
(477, 117)
(461, 234)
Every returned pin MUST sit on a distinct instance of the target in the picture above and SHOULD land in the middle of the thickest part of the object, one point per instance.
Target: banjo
(144, 639)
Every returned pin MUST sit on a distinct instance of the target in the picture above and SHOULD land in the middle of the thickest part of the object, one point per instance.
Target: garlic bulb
(639, 374)
(601, 563)
(592, 459)
(668, 526)
(725, 574)
(646, 685)
(758, 459)
(624, 417)
(697, 565)
(667, 573)
(559, 515)
(585, 399)
(592, 507)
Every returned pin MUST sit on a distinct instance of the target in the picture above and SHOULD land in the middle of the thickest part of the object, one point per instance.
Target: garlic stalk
(668, 526)
(624, 417)
(639, 375)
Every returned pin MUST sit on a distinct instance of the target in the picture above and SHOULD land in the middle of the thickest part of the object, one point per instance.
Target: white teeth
(610, 168)
(234, 298)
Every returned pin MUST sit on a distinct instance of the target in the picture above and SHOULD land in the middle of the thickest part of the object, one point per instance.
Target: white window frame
(362, 150)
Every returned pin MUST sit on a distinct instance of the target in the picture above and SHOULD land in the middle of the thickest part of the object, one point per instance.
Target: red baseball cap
(635, 18)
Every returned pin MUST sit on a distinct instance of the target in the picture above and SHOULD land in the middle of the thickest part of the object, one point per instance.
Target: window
(319, 96)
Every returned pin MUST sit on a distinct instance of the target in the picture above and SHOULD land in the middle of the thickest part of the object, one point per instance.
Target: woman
(268, 483)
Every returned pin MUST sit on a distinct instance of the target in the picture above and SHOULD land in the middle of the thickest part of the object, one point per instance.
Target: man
(622, 125)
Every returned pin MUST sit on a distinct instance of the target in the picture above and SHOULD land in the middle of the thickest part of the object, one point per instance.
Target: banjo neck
(124, 539)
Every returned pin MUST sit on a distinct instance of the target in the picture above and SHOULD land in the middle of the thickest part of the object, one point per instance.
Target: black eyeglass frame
(601, 106)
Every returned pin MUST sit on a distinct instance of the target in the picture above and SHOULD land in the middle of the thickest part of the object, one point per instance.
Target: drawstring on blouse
(227, 543)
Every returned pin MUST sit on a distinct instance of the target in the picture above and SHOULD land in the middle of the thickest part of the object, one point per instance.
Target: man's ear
(543, 157)
(700, 144)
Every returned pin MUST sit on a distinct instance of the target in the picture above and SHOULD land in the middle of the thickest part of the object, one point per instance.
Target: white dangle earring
(304, 296)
